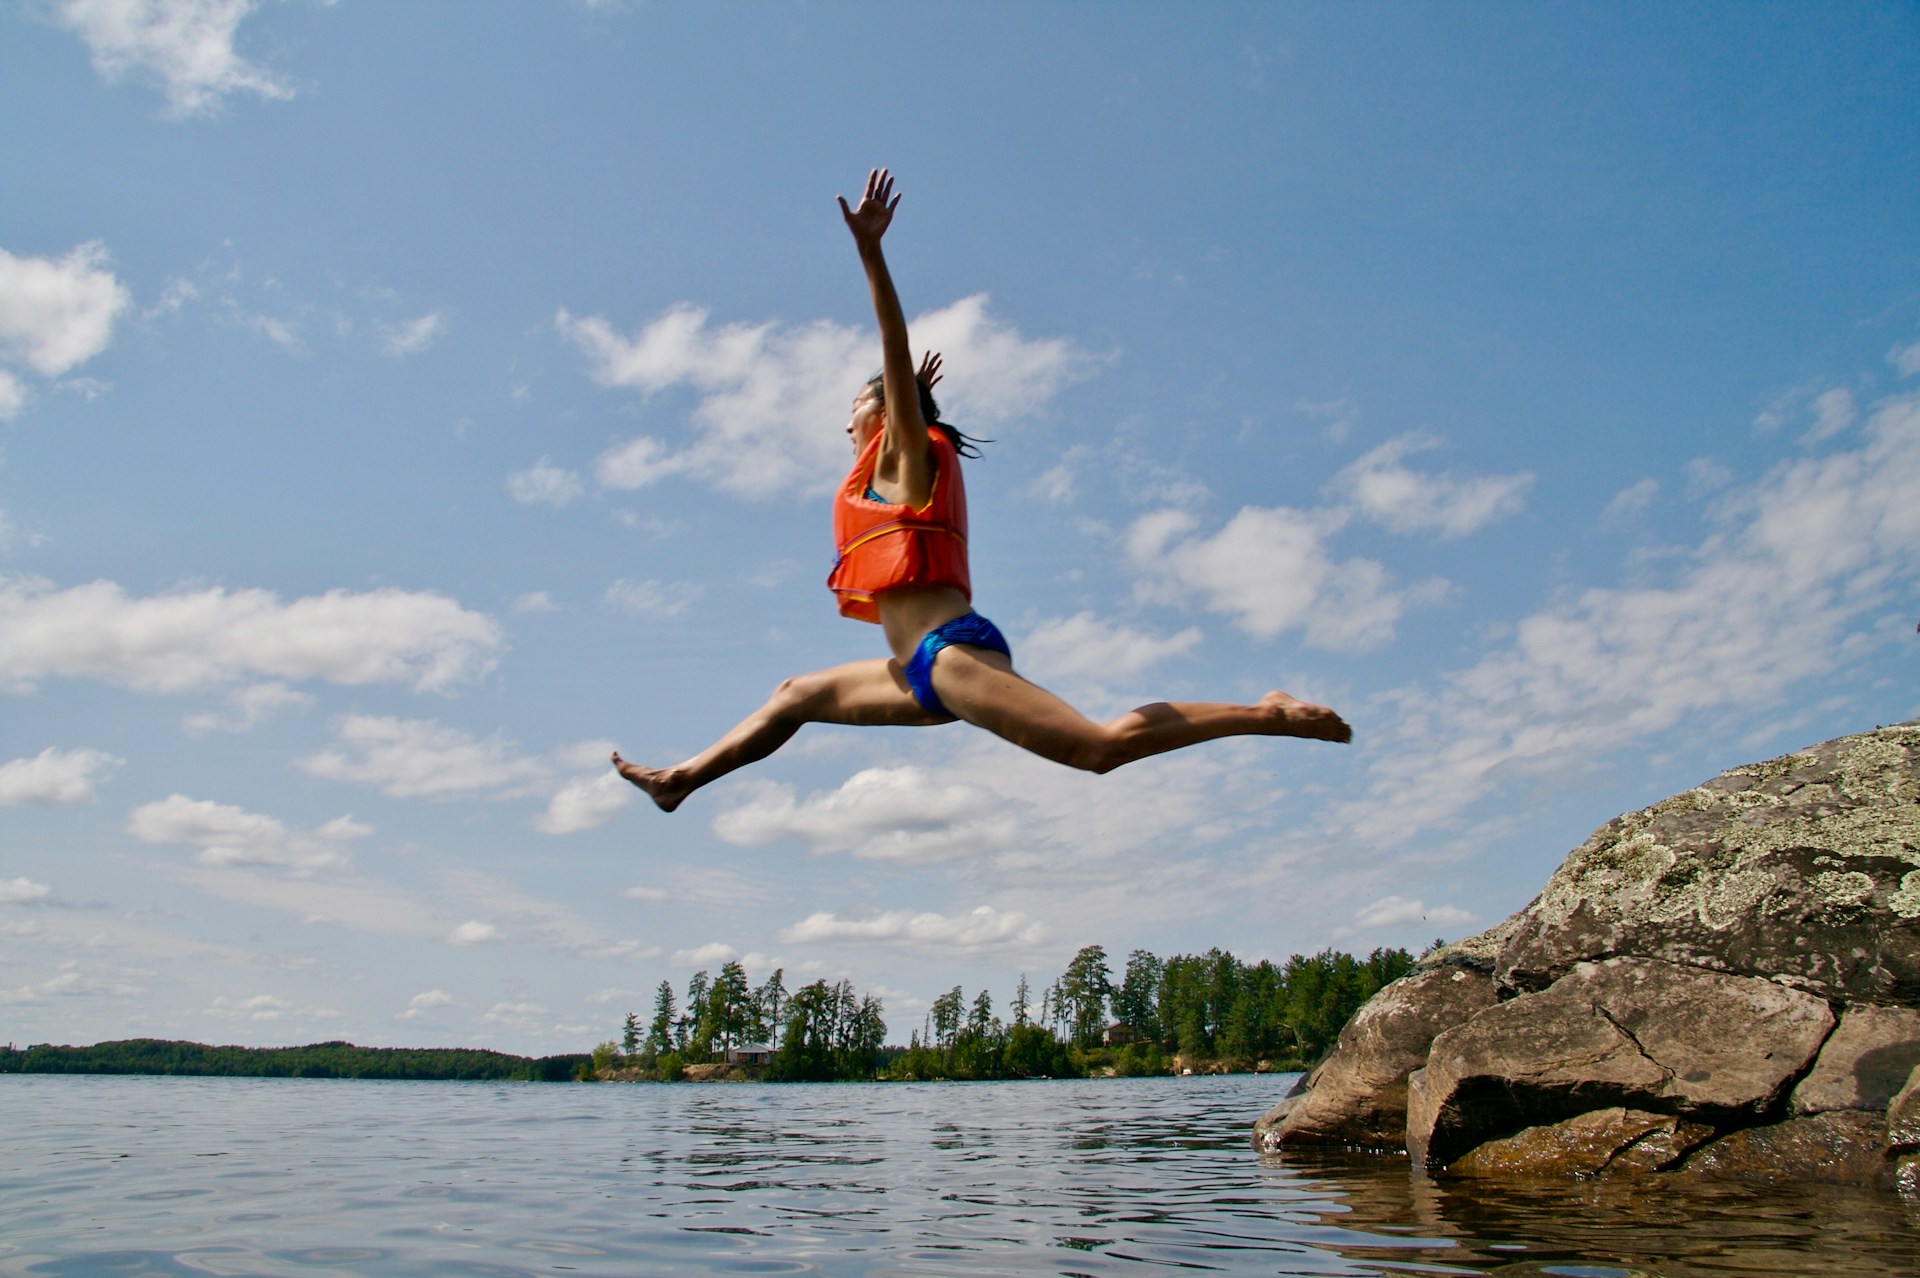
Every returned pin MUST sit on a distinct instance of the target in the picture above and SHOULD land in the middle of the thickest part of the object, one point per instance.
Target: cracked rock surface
(1639, 1033)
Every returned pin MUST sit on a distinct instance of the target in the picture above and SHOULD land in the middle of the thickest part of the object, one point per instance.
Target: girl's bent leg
(982, 688)
(866, 693)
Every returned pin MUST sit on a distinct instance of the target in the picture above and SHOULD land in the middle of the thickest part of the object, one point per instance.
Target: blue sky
(401, 405)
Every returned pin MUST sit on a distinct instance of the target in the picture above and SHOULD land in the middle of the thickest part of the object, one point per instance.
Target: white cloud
(1409, 501)
(773, 398)
(1707, 475)
(420, 1004)
(1631, 501)
(228, 836)
(74, 983)
(532, 602)
(519, 1016)
(544, 482)
(410, 338)
(705, 955)
(585, 804)
(187, 46)
(1394, 911)
(1790, 586)
(261, 1007)
(55, 314)
(1833, 411)
(420, 758)
(1905, 359)
(473, 932)
(651, 598)
(348, 901)
(981, 927)
(22, 891)
(1338, 414)
(1270, 571)
(53, 778)
(1084, 647)
(532, 920)
(882, 814)
(652, 895)
(191, 639)
(252, 705)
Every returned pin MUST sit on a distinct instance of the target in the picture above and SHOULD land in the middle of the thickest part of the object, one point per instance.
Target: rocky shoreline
(1724, 984)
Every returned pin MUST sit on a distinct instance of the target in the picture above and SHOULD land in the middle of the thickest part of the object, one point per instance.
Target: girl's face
(868, 417)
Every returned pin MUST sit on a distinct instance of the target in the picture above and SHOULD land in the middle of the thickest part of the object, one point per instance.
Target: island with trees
(316, 1060)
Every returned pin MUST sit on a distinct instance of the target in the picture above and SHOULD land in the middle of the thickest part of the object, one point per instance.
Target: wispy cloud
(1269, 569)
(544, 483)
(192, 639)
(1397, 911)
(773, 396)
(1085, 647)
(55, 314)
(1405, 500)
(420, 758)
(227, 835)
(23, 891)
(410, 337)
(186, 46)
(1792, 583)
(54, 778)
(979, 928)
(882, 814)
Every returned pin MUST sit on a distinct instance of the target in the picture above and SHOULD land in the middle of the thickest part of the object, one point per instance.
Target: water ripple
(1108, 1179)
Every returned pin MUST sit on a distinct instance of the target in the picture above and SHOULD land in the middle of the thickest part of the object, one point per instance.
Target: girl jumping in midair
(900, 523)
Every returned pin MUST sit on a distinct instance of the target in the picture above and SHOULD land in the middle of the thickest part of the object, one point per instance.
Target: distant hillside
(317, 1060)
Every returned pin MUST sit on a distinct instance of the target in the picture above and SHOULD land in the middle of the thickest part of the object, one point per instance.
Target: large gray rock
(1865, 1063)
(1687, 962)
(1803, 870)
(1636, 1033)
(1358, 1095)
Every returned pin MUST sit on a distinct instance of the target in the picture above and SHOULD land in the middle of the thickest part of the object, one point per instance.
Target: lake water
(179, 1176)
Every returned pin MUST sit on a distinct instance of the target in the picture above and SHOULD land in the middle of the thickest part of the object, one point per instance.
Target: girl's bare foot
(1296, 718)
(660, 784)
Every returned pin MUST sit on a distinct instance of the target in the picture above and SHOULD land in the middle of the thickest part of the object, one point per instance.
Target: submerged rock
(1903, 1135)
(1842, 1146)
(1728, 981)
(1596, 1142)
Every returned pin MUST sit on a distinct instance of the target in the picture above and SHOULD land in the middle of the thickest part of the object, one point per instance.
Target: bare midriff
(907, 613)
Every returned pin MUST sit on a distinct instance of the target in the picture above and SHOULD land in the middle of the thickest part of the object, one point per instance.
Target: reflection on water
(143, 1176)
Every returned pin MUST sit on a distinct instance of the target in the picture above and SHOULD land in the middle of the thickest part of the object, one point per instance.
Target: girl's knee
(1099, 755)
(795, 694)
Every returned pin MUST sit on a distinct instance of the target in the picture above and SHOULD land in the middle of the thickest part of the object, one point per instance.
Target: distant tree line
(317, 1060)
(1203, 1010)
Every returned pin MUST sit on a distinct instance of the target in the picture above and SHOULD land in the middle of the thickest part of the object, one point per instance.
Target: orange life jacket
(883, 546)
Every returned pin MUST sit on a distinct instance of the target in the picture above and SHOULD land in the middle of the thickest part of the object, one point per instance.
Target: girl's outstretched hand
(870, 220)
(929, 370)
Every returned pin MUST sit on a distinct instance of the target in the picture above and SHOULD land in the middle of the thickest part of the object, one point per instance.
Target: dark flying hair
(930, 414)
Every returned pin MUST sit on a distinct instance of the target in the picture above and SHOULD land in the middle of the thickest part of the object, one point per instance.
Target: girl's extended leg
(982, 688)
(866, 693)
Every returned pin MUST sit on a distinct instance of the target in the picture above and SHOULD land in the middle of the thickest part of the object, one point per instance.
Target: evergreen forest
(1201, 1012)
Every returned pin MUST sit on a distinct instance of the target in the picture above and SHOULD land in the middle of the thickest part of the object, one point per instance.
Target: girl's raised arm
(904, 456)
